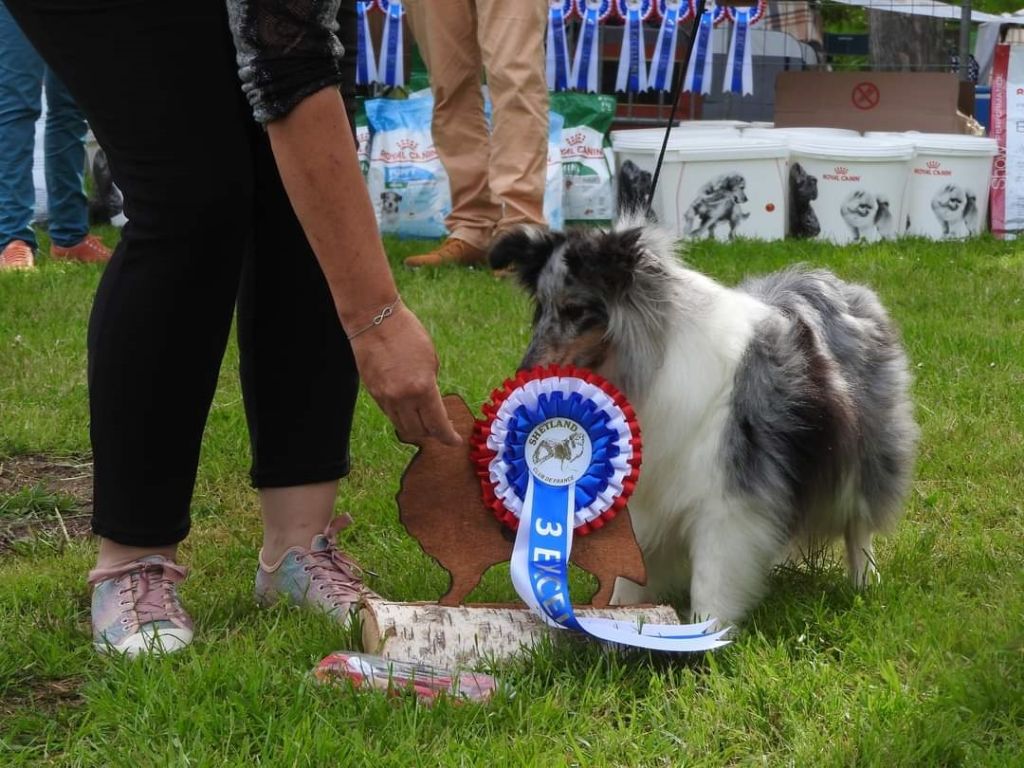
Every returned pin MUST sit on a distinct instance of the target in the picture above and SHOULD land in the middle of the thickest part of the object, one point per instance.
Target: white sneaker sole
(149, 641)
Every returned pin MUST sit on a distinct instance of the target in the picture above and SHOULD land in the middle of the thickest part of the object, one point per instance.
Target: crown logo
(933, 164)
(407, 144)
(841, 170)
(576, 138)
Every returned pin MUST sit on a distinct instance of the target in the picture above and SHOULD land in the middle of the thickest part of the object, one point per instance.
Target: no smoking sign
(865, 96)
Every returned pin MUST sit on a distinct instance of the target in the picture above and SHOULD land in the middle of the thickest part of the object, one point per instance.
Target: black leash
(676, 91)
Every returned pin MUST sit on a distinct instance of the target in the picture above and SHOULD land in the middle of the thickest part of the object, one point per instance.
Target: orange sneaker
(90, 251)
(17, 255)
(452, 251)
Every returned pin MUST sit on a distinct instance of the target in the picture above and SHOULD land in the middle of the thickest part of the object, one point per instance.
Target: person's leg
(174, 128)
(65, 165)
(298, 373)
(511, 39)
(21, 83)
(459, 126)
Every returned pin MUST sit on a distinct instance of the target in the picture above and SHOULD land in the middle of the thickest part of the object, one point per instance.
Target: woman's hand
(398, 366)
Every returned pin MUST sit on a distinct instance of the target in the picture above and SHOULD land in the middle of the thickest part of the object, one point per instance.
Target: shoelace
(152, 586)
(337, 572)
(17, 256)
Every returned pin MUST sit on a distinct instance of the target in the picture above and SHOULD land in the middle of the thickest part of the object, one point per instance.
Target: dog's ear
(526, 250)
(609, 260)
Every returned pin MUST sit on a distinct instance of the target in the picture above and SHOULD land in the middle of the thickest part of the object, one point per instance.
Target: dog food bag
(427, 683)
(587, 118)
(554, 187)
(363, 139)
(408, 184)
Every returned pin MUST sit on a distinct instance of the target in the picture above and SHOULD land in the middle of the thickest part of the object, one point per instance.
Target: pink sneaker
(322, 577)
(135, 608)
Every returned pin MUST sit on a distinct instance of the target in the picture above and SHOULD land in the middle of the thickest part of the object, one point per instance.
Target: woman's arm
(317, 161)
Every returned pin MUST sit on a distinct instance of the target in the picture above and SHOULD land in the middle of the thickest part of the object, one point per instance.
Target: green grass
(925, 670)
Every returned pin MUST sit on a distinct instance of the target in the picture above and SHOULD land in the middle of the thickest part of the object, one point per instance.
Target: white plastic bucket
(711, 125)
(713, 186)
(848, 189)
(949, 183)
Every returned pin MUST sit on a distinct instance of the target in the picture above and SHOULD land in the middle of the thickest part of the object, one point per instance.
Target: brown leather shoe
(90, 251)
(452, 251)
(17, 255)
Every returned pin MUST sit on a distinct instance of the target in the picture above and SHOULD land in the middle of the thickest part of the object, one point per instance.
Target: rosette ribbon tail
(392, 64)
(739, 69)
(632, 73)
(584, 64)
(557, 57)
(698, 72)
(665, 50)
(366, 64)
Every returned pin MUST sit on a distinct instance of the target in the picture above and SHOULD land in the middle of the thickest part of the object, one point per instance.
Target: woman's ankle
(111, 554)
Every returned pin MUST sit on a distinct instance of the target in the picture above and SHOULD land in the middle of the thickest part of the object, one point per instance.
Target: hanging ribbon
(557, 59)
(366, 63)
(391, 70)
(584, 64)
(739, 69)
(673, 13)
(632, 74)
(558, 452)
(698, 73)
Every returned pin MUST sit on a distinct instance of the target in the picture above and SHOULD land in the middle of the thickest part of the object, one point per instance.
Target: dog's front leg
(732, 550)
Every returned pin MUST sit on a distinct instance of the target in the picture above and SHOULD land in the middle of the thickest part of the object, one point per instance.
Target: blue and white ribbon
(391, 70)
(366, 61)
(673, 13)
(739, 69)
(585, 61)
(561, 451)
(698, 72)
(557, 58)
(632, 74)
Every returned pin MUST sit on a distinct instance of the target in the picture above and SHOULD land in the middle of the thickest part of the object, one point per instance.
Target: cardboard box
(934, 102)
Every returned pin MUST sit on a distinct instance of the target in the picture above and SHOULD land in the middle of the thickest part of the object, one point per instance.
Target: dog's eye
(573, 313)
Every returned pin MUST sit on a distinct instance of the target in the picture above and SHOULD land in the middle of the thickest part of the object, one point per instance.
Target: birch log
(458, 636)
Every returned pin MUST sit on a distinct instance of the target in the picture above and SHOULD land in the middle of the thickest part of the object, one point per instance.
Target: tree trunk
(451, 637)
(903, 43)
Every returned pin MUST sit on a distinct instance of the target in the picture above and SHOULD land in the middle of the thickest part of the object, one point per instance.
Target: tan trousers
(497, 180)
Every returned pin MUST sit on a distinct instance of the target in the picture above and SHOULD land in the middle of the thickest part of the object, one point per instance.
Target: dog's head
(736, 186)
(860, 209)
(950, 203)
(634, 190)
(602, 298)
(802, 185)
(389, 202)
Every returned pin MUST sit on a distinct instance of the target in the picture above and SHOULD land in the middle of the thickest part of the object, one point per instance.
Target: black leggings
(209, 221)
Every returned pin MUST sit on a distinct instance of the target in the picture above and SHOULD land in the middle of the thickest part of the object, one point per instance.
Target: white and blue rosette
(366, 61)
(556, 60)
(632, 73)
(698, 72)
(585, 61)
(558, 453)
(739, 69)
(391, 70)
(673, 14)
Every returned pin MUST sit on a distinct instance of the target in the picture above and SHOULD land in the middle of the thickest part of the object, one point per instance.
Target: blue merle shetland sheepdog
(776, 416)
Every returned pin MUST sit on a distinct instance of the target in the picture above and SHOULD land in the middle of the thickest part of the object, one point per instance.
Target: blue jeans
(22, 77)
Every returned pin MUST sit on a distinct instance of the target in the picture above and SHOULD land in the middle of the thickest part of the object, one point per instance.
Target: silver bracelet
(386, 311)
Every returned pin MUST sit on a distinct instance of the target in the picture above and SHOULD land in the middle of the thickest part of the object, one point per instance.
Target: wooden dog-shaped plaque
(440, 505)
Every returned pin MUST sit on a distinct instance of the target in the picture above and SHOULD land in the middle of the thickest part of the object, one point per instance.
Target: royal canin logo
(932, 168)
(840, 173)
(407, 144)
(576, 139)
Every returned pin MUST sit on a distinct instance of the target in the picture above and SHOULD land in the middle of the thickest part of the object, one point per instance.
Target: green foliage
(926, 669)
